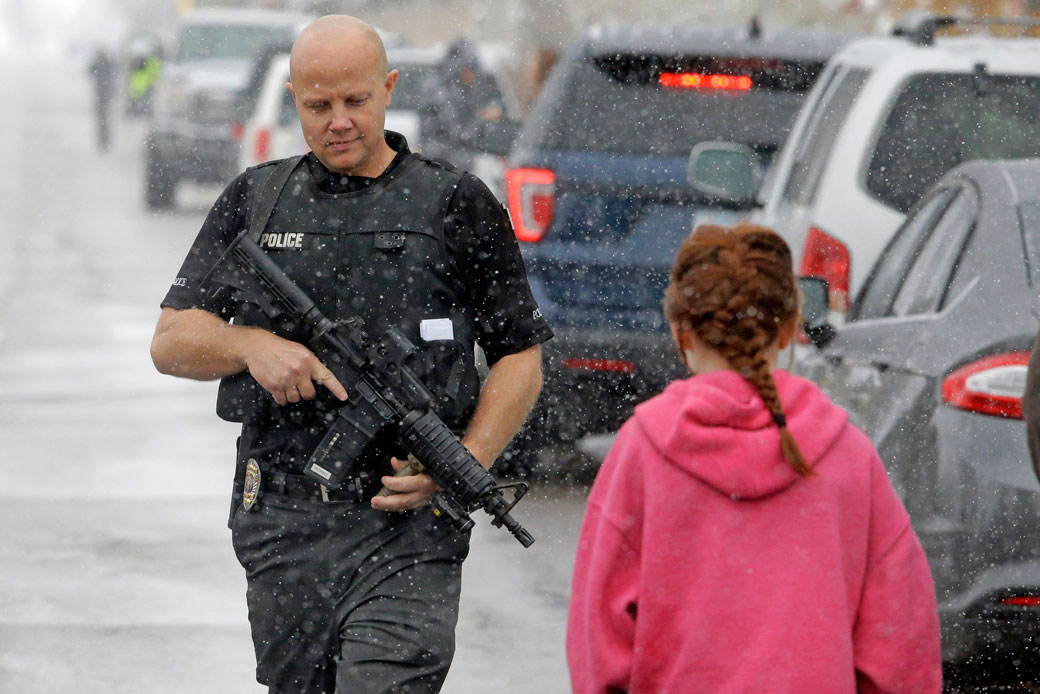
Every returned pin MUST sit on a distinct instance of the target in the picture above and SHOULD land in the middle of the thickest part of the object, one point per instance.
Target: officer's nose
(341, 120)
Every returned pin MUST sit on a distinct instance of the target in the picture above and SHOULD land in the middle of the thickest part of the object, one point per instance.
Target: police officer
(349, 591)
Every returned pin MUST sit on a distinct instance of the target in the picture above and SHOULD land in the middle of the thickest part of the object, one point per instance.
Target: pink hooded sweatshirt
(707, 565)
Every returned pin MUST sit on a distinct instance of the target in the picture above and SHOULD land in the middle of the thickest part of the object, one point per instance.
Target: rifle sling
(269, 195)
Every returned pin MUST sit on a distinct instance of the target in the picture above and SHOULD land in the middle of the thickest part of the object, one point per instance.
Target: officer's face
(341, 94)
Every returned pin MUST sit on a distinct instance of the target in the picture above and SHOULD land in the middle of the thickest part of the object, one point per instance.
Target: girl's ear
(686, 340)
(681, 335)
(787, 332)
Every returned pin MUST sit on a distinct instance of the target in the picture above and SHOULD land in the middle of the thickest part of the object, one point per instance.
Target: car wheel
(538, 453)
(159, 185)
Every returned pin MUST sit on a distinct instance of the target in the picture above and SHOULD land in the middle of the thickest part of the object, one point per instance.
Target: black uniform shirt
(479, 239)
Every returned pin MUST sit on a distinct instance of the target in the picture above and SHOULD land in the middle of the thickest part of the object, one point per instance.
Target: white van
(887, 118)
(272, 130)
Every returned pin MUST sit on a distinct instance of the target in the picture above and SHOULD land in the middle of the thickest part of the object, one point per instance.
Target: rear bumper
(993, 646)
(594, 378)
(980, 540)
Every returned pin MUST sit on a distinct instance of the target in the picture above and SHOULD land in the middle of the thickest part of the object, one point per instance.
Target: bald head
(339, 81)
(346, 39)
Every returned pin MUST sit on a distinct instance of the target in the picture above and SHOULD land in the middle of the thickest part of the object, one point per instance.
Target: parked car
(599, 200)
(271, 125)
(890, 116)
(933, 369)
(195, 129)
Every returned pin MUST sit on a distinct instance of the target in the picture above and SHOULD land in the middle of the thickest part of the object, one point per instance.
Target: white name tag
(436, 329)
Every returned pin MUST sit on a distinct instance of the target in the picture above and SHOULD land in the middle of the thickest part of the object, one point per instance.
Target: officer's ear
(391, 80)
(288, 85)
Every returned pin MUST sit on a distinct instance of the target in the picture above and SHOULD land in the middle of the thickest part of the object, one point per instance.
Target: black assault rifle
(384, 392)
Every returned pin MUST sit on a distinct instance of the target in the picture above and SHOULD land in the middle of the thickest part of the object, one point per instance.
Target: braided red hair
(735, 289)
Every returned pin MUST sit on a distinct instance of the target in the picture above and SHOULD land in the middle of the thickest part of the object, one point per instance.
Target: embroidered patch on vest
(291, 239)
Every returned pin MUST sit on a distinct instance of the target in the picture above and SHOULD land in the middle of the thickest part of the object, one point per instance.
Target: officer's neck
(376, 165)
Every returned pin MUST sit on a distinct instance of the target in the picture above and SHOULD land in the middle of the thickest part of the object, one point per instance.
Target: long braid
(735, 289)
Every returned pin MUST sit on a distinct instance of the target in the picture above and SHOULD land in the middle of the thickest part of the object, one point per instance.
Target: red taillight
(693, 80)
(615, 365)
(992, 385)
(827, 258)
(531, 194)
(1021, 601)
(237, 130)
(261, 145)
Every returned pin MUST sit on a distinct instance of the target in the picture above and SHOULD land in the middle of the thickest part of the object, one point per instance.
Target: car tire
(159, 186)
(538, 453)
(520, 458)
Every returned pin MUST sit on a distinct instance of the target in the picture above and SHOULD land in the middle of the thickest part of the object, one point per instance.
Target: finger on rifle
(278, 393)
(327, 379)
(306, 389)
(292, 393)
(412, 468)
(400, 502)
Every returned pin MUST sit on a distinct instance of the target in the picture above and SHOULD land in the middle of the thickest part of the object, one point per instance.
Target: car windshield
(208, 41)
(409, 92)
(663, 106)
(940, 120)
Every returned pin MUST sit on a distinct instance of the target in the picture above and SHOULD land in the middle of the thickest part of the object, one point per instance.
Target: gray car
(932, 366)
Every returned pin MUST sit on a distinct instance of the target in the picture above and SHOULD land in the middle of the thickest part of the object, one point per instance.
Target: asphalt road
(116, 570)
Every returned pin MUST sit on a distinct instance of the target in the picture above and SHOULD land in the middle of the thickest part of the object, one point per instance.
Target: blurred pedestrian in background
(103, 69)
(143, 72)
(459, 99)
(742, 535)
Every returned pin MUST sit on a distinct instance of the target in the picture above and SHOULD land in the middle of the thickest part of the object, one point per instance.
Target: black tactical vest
(379, 254)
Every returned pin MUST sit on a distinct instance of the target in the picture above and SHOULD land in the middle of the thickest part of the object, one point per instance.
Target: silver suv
(887, 118)
(194, 134)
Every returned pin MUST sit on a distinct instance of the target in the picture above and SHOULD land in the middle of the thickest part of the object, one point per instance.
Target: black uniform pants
(347, 599)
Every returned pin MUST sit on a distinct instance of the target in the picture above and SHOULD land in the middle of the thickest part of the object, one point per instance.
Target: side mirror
(723, 172)
(815, 307)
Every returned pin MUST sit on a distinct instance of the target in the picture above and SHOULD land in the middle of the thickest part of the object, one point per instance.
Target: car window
(892, 266)
(208, 41)
(413, 84)
(815, 145)
(925, 285)
(940, 120)
(638, 104)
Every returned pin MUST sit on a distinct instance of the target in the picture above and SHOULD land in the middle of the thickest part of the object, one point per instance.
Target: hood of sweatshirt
(716, 427)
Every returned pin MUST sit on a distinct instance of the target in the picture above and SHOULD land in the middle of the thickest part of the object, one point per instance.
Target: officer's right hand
(287, 370)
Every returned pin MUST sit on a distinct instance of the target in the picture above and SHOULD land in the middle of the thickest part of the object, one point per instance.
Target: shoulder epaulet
(439, 163)
(264, 165)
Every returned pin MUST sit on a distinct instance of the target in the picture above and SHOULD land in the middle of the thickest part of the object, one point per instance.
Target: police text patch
(282, 240)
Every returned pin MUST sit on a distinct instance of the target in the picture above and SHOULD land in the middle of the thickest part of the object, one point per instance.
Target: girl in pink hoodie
(742, 535)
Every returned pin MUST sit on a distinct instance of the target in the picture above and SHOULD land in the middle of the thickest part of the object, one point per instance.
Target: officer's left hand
(412, 491)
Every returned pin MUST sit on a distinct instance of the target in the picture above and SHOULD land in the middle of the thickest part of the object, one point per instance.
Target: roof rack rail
(919, 27)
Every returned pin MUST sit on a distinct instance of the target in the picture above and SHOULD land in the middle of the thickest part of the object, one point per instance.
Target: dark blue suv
(597, 189)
